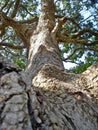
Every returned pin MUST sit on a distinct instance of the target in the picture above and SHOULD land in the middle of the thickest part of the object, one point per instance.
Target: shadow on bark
(56, 100)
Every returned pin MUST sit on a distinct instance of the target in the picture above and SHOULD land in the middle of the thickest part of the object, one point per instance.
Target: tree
(45, 97)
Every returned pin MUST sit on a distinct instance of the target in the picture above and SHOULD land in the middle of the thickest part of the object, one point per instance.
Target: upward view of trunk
(45, 97)
(43, 48)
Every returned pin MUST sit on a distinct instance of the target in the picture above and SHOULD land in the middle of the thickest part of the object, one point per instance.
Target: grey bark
(45, 97)
(56, 100)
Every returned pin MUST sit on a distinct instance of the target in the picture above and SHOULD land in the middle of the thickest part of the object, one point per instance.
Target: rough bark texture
(45, 97)
(56, 100)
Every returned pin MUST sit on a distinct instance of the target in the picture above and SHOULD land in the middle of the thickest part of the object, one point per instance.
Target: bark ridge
(56, 100)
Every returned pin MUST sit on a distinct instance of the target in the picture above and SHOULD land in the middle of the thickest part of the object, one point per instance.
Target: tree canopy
(76, 29)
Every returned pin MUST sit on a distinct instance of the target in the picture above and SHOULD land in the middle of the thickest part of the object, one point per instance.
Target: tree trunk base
(55, 101)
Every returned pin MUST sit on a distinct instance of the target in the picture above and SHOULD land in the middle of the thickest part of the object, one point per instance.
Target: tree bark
(43, 47)
(45, 97)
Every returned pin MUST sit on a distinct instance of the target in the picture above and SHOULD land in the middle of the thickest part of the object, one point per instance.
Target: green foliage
(85, 14)
(21, 62)
(79, 69)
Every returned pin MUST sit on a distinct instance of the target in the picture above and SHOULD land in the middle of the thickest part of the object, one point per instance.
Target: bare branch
(58, 25)
(12, 46)
(70, 61)
(23, 31)
(26, 10)
(74, 51)
(86, 18)
(15, 24)
(29, 21)
(60, 22)
(15, 9)
(95, 33)
(7, 20)
(93, 49)
(69, 18)
(62, 38)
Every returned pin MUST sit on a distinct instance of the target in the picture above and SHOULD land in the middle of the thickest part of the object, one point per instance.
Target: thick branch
(62, 38)
(23, 30)
(12, 46)
(8, 21)
(15, 24)
(60, 22)
(58, 25)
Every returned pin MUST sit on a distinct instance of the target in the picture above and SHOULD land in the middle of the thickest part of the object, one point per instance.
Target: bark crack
(70, 121)
(33, 114)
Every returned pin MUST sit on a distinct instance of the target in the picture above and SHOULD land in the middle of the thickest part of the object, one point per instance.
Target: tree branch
(15, 9)
(95, 33)
(26, 10)
(8, 21)
(58, 25)
(62, 38)
(92, 43)
(74, 51)
(70, 61)
(24, 31)
(77, 49)
(29, 21)
(15, 24)
(86, 19)
(12, 46)
(60, 22)
(68, 18)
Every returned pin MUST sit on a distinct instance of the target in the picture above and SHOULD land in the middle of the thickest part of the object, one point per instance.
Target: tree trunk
(43, 47)
(45, 97)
